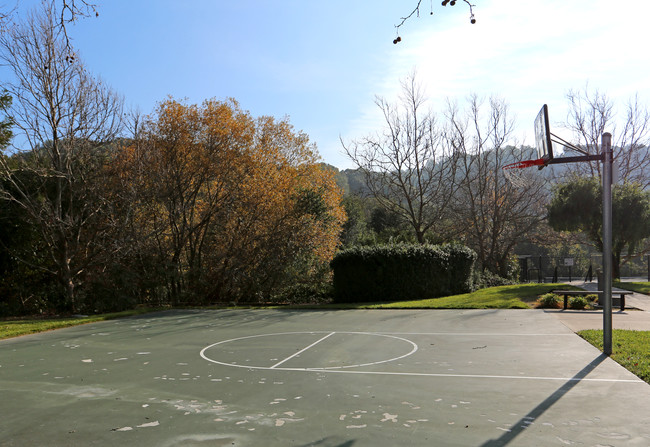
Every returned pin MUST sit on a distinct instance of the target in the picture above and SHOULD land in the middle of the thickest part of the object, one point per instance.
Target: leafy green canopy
(5, 124)
(577, 205)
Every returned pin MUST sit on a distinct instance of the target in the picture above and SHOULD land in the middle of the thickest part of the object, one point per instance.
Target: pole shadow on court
(540, 409)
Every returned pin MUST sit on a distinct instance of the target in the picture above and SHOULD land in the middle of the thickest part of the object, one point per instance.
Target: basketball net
(518, 175)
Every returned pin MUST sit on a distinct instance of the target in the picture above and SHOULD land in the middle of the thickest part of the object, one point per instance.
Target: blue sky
(322, 63)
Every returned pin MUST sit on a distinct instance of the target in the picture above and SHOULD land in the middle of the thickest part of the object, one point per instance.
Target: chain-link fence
(570, 268)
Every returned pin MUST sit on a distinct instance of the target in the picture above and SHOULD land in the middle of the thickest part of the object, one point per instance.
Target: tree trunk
(616, 266)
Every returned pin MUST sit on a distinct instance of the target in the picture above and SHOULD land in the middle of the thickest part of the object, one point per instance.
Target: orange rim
(525, 164)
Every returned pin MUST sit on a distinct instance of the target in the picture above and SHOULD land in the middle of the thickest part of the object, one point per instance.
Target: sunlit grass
(518, 296)
(16, 328)
(629, 348)
(640, 287)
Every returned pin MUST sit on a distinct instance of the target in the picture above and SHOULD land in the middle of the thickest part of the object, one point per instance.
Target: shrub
(303, 294)
(578, 302)
(486, 279)
(548, 301)
(401, 272)
(592, 298)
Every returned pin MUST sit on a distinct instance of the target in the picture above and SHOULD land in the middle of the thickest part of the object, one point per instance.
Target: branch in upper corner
(416, 11)
(71, 10)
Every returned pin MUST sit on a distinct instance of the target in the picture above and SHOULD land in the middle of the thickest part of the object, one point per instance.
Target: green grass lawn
(519, 296)
(641, 287)
(629, 348)
(16, 328)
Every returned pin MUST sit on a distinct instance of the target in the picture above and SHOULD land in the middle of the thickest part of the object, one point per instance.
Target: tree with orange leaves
(235, 207)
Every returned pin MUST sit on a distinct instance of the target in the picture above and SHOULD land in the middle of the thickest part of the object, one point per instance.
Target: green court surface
(318, 378)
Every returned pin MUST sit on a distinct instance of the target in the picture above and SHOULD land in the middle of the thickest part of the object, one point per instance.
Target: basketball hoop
(518, 176)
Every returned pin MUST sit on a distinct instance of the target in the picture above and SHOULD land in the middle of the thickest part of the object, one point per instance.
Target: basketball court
(319, 378)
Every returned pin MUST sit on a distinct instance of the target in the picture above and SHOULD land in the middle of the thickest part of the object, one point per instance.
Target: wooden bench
(567, 293)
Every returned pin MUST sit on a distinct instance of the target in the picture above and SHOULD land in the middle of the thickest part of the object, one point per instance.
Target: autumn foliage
(229, 207)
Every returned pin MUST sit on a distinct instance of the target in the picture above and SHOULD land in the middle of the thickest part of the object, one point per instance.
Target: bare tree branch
(405, 166)
(491, 214)
(71, 10)
(416, 12)
(65, 115)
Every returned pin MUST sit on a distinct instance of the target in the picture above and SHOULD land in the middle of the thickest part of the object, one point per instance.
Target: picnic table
(621, 295)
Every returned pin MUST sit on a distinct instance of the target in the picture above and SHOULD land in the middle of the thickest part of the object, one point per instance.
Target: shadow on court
(538, 411)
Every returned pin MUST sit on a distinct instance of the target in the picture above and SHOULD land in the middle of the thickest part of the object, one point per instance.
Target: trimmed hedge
(401, 272)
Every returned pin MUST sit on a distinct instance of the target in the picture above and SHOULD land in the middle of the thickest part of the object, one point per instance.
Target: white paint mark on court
(149, 424)
(124, 429)
(87, 360)
(356, 426)
(390, 417)
(615, 436)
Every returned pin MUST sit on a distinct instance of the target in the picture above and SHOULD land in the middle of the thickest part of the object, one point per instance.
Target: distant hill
(351, 181)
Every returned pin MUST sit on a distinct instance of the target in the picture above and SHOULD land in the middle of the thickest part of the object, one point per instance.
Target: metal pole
(607, 243)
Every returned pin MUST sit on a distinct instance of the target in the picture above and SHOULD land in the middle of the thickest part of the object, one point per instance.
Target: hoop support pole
(607, 243)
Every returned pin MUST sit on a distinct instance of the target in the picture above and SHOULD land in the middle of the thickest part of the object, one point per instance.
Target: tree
(577, 207)
(491, 215)
(5, 124)
(406, 168)
(65, 118)
(234, 207)
(592, 113)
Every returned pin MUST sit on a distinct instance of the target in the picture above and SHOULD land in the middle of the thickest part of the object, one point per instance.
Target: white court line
(414, 348)
(340, 370)
(462, 376)
(301, 351)
(482, 334)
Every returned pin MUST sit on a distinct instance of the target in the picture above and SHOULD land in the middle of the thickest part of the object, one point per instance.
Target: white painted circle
(411, 347)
